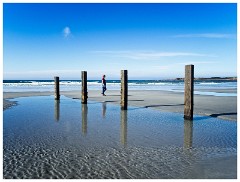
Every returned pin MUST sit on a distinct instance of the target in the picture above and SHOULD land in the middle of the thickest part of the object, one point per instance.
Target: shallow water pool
(44, 138)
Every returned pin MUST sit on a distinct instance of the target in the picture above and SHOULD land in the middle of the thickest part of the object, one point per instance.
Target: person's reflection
(104, 108)
(57, 110)
(188, 133)
(84, 118)
(124, 127)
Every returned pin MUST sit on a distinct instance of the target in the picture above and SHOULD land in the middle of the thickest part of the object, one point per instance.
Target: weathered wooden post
(188, 133)
(84, 118)
(57, 110)
(84, 87)
(188, 94)
(124, 89)
(56, 81)
(124, 127)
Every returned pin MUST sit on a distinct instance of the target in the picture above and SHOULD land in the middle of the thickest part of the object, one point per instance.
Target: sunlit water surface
(44, 138)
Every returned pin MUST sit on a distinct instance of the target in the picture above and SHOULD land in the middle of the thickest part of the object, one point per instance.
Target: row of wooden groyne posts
(188, 90)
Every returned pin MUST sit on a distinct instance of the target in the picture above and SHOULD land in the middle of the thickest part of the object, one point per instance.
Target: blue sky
(151, 41)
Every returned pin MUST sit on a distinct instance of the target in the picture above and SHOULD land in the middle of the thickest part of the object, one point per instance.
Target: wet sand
(70, 140)
(221, 107)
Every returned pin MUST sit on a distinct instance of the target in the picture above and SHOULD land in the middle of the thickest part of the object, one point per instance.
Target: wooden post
(188, 133)
(124, 127)
(188, 94)
(57, 95)
(57, 110)
(124, 89)
(84, 118)
(84, 87)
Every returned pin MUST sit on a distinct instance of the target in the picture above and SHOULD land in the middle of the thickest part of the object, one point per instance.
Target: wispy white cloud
(166, 67)
(63, 73)
(43, 72)
(170, 66)
(147, 55)
(66, 32)
(198, 62)
(206, 35)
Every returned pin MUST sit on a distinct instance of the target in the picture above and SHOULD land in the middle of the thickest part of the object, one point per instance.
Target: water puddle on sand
(44, 138)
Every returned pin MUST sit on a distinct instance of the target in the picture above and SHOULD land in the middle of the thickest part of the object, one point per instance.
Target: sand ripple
(134, 162)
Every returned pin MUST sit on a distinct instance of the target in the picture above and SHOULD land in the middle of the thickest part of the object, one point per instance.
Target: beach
(168, 101)
(48, 139)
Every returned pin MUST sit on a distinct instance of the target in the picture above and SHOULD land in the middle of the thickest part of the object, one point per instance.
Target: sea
(201, 87)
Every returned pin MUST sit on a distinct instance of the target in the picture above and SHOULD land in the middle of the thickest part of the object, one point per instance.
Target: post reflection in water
(188, 133)
(124, 127)
(104, 108)
(84, 118)
(57, 110)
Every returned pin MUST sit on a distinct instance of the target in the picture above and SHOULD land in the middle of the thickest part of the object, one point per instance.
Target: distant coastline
(213, 78)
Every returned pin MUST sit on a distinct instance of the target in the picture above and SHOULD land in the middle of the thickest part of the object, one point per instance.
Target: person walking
(104, 88)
